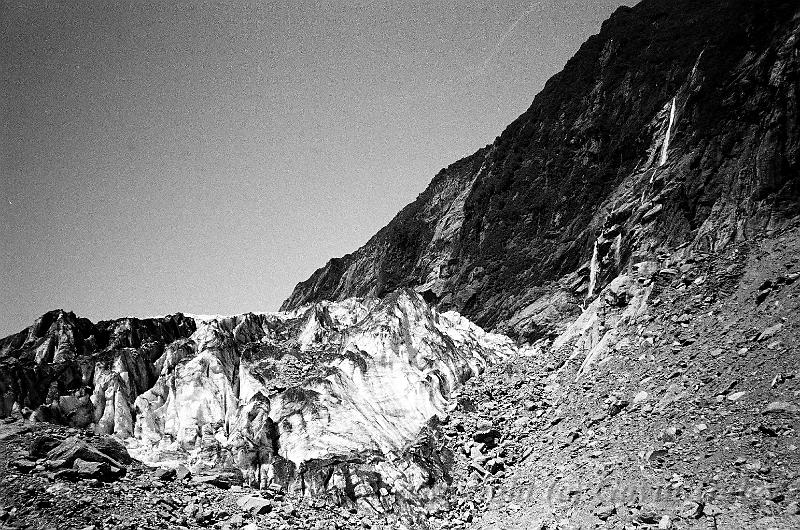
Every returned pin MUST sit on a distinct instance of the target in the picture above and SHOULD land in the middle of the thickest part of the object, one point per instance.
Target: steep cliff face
(414, 247)
(336, 398)
(677, 123)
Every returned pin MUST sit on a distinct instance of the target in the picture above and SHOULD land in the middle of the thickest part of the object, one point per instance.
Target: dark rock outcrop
(52, 365)
(677, 123)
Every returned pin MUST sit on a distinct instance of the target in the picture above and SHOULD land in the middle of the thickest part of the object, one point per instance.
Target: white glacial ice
(370, 377)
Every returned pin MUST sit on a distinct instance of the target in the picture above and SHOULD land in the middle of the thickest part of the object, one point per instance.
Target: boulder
(670, 434)
(182, 472)
(223, 479)
(605, 511)
(165, 474)
(466, 404)
(73, 448)
(770, 332)
(96, 470)
(41, 445)
(692, 510)
(487, 436)
(22, 465)
(110, 446)
(255, 505)
(616, 407)
(781, 407)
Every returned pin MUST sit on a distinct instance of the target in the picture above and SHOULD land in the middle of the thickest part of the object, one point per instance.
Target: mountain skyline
(587, 323)
(207, 159)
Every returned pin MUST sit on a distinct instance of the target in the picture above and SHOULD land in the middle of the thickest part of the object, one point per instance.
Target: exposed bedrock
(338, 398)
(676, 124)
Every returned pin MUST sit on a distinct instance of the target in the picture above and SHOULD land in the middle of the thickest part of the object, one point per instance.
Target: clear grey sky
(197, 156)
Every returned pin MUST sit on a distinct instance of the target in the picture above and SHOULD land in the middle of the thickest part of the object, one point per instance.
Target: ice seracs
(378, 374)
(331, 394)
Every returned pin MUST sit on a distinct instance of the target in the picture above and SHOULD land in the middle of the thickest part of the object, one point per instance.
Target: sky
(204, 157)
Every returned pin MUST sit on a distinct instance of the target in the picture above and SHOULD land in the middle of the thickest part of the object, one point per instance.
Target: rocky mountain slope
(339, 399)
(677, 123)
(671, 403)
(637, 230)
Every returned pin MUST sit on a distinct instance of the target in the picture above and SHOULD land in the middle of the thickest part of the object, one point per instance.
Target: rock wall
(336, 398)
(677, 123)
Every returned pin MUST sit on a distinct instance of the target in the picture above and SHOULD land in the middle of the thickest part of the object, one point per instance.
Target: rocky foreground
(673, 401)
(43, 491)
(682, 412)
(635, 231)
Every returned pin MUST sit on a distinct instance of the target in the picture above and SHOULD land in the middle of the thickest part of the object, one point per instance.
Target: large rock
(96, 470)
(781, 407)
(111, 447)
(254, 505)
(74, 448)
(41, 445)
